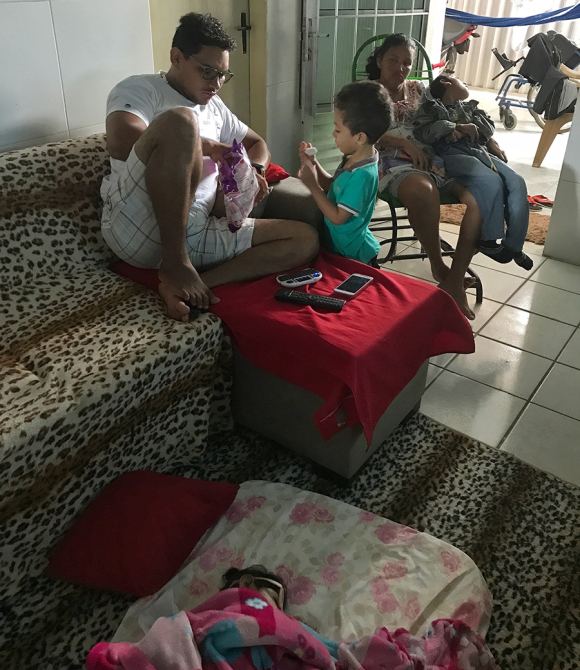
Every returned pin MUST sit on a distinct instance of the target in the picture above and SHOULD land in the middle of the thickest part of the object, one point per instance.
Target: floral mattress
(348, 571)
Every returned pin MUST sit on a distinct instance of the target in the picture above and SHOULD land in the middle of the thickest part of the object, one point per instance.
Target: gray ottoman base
(284, 413)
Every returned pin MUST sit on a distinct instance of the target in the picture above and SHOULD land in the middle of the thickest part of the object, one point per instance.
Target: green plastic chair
(422, 71)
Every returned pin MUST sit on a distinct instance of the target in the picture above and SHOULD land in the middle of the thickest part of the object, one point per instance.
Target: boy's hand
(454, 137)
(302, 153)
(468, 129)
(494, 148)
(307, 174)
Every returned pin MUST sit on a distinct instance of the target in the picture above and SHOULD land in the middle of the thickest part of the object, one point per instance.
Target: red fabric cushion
(137, 533)
(274, 174)
(144, 276)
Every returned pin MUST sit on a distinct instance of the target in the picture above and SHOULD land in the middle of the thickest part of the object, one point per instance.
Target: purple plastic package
(239, 184)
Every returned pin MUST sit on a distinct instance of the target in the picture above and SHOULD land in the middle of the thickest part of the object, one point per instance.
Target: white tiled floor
(520, 390)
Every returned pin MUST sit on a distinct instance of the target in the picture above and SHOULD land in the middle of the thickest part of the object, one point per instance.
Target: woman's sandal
(533, 205)
(542, 200)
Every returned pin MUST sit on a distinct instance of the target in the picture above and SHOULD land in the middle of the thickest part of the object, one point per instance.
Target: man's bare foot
(181, 288)
(458, 294)
(175, 303)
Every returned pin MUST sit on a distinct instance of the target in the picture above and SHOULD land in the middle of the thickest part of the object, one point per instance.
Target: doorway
(332, 31)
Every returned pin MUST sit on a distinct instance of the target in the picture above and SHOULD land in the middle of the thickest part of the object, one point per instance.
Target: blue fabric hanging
(563, 14)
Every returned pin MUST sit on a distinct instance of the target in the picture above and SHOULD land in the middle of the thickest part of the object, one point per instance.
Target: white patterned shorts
(130, 228)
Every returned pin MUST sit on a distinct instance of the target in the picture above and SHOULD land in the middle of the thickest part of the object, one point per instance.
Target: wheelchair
(394, 227)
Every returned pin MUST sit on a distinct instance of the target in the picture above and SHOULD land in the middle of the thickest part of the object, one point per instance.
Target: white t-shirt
(147, 96)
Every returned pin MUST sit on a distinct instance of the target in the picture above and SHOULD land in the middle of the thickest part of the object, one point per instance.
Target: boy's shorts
(130, 228)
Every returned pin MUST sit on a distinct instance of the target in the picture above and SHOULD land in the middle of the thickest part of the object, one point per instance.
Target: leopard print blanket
(95, 380)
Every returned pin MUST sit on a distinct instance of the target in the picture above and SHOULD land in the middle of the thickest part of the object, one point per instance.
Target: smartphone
(353, 285)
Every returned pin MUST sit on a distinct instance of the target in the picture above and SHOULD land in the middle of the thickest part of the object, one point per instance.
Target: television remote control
(314, 300)
(293, 279)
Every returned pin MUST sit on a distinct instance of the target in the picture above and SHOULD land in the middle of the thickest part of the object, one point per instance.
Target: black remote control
(303, 298)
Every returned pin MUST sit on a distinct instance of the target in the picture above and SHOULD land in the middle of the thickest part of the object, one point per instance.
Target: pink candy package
(239, 183)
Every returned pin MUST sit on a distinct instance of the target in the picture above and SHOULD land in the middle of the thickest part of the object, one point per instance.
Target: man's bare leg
(277, 245)
(469, 234)
(420, 196)
(171, 150)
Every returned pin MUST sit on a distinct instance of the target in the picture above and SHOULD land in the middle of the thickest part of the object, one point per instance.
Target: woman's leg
(420, 196)
(469, 234)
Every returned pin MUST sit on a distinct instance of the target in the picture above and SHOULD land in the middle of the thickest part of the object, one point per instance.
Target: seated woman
(406, 170)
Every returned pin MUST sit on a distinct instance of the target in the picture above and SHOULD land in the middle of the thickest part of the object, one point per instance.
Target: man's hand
(262, 188)
(468, 129)
(307, 175)
(181, 288)
(215, 150)
(454, 137)
(494, 148)
(420, 160)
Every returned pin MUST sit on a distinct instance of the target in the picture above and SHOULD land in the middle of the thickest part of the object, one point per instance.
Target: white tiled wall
(283, 82)
(563, 238)
(60, 59)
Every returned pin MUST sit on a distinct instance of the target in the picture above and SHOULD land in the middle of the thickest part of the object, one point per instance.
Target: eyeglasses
(210, 73)
(247, 582)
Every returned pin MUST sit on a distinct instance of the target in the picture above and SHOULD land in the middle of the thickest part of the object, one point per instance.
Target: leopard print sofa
(94, 379)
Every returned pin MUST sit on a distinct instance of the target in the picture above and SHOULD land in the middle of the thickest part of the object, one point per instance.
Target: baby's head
(256, 577)
(362, 114)
(448, 89)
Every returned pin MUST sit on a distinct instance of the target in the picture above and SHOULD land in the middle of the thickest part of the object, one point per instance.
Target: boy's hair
(394, 40)
(436, 87)
(366, 108)
(196, 31)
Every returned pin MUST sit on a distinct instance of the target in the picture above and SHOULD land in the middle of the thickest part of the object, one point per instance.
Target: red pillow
(145, 276)
(138, 532)
(274, 174)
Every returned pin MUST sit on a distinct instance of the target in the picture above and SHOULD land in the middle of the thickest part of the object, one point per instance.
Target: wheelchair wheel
(510, 120)
(532, 93)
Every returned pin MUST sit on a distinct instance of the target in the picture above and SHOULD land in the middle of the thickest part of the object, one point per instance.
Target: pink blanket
(238, 630)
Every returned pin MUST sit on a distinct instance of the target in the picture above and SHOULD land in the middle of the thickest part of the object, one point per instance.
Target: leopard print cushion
(95, 380)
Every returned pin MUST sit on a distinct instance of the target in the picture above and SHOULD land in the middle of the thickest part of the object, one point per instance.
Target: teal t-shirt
(355, 190)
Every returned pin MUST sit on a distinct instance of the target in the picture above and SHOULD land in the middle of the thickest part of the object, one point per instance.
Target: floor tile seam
(566, 365)
(551, 318)
(513, 424)
(507, 304)
(487, 337)
(509, 344)
(477, 381)
(444, 367)
(558, 287)
(551, 409)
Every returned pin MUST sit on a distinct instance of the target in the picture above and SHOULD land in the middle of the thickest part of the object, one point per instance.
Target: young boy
(362, 114)
(462, 134)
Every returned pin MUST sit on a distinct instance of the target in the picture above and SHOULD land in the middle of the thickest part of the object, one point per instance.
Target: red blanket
(358, 359)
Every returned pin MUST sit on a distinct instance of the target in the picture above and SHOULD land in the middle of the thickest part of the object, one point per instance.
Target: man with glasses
(165, 134)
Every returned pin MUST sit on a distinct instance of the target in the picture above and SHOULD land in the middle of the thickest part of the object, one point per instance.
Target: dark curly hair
(257, 571)
(366, 108)
(394, 40)
(196, 31)
(436, 87)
